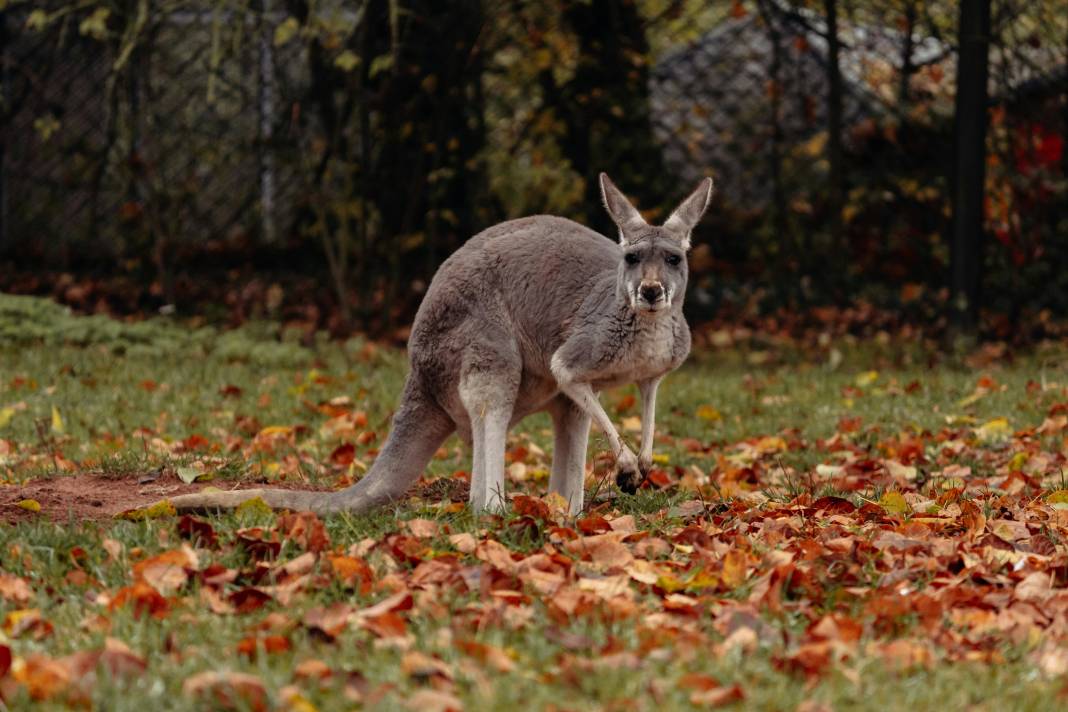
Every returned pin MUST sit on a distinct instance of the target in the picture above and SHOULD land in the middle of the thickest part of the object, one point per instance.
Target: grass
(123, 410)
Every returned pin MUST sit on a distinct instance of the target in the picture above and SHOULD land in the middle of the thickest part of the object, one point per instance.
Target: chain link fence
(383, 133)
(174, 134)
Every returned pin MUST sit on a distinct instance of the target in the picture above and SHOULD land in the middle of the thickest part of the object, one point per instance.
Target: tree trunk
(786, 257)
(428, 136)
(836, 178)
(969, 163)
(605, 105)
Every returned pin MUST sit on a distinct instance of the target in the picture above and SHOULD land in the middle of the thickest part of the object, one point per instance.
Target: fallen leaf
(464, 542)
(422, 528)
(227, 690)
(57, 422)
(168, 571)
(707, 412)
(433, 701)
(894, 502)
(28, 622)
(15, 589)
(992, 431)
(603, 549)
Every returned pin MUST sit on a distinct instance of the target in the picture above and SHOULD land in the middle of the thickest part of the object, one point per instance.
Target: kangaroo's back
(528, 276)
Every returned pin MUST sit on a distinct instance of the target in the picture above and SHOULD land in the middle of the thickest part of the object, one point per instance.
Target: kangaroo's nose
(651, 292)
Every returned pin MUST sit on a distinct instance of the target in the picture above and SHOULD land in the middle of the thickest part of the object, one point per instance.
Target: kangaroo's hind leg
(488, 385)
(571, 427)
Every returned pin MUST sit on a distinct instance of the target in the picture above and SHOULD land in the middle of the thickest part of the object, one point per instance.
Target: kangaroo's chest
(649, 352)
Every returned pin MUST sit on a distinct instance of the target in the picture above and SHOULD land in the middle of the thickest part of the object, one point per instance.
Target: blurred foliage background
(317, 159)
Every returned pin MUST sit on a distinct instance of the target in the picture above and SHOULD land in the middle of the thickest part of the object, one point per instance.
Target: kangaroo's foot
(629, 473)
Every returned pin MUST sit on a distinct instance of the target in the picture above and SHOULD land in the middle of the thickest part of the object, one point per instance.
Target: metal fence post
(6, 112)
(969, 164)
(266, 111)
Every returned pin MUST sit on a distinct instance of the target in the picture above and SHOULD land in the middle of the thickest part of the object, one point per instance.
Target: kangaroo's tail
(419, 428)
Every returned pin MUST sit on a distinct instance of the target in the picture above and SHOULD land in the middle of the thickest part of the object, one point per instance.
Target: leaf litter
(912, 547)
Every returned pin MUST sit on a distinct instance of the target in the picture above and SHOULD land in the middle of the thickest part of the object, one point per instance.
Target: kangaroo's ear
(689, 212)
(623, 214)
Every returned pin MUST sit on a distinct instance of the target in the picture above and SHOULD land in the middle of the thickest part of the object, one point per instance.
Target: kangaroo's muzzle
(651, 295)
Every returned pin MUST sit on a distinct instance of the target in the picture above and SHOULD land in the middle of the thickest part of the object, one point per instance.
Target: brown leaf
(837, 628)
(420, 665)
(1036, 586)
(258, 543)
(603, 549)
(422, 528)
(15, 589)
(306, 529)
(113, 548)
(167, 572)
(197, 531)
(810, 660)
(487, 654)
(270, 644)
(299, 566)
(464, 542)
(248, 599)
(227, 690)
(120, 660)
(525, 505)
(593, 524)
(312, 669)
(386, 625)
(734, 568)
(903, 654)
(27, 621)
(433, 701)
(717, 696)
(330, 621)
(497, 555)
(400, 601)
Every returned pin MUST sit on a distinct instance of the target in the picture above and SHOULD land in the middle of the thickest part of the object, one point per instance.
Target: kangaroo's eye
(673, 260)
(631, 258)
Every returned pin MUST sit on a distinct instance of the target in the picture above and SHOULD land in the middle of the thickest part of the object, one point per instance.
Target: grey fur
(536, 314)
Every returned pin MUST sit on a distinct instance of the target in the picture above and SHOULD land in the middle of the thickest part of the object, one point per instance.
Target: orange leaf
(352, 572)
(145, 599)
(251, 645)
(734, 568)
(386, 625)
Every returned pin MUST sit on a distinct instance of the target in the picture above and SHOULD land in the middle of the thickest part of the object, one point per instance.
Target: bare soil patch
(92, 496)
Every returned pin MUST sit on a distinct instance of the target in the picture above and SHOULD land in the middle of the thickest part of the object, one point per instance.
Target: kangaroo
(530, 315)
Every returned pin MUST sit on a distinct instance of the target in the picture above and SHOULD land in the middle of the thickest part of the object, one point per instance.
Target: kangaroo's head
(652, 270)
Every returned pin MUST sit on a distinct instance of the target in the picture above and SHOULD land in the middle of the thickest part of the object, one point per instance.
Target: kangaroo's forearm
(583, 396)
(648, 393)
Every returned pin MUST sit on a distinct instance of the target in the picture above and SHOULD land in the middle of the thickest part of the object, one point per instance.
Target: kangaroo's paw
(629, 475)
